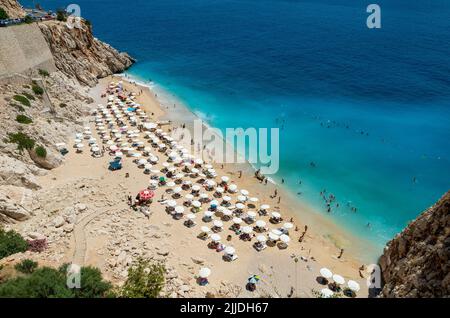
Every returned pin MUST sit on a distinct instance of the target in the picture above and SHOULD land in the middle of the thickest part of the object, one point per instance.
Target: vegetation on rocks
(41, 151)
(28, 95)
(22, 99)
(146, 279)
(3, 14)
(43, 73)
(37, 89)
(23, 119)
(27, 266)
(22, 140)
(46, 282)
(11, 242)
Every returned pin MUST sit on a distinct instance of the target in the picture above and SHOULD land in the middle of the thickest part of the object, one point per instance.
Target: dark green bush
(37, 89)
(22, 99)
(48, 282)
(24, 119)
(62, 105)
(146, 279)
(22, 140)
(43, 73)
(3, 14)
(27, 266)
(28, 95)
(61, 15)
(11, 242)
(28, 19)
(41, 151)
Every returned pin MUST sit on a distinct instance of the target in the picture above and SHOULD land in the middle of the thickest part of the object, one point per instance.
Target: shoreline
(337, 234)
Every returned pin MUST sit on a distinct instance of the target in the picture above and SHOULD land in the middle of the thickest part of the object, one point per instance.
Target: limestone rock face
(12, 8)
(416, 263)
(10, 209)
(78, 54)
(15, 172)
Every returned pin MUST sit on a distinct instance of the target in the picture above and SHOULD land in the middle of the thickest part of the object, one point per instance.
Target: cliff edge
(416, 263)
(78, 54)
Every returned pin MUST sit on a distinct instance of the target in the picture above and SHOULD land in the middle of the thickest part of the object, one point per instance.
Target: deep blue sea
(370, 107)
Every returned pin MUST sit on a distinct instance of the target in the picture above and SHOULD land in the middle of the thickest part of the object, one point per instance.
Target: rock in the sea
(416, 263)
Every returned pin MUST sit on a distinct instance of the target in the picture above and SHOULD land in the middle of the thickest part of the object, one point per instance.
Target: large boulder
(15, 172)
(10, 208)
(416, 263)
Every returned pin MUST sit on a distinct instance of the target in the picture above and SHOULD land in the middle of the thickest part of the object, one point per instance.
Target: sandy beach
(109, 234)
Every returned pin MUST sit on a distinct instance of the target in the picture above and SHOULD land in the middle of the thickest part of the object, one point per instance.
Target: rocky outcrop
(78, 54)
(416, 263)
(12, 8)
(14, 203)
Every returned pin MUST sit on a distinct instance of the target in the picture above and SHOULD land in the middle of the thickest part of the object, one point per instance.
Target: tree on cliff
(3, 14)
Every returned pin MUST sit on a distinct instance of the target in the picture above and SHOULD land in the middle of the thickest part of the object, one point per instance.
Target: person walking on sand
(282, 181)
(340, 254)
(240, 174)
(279, 199)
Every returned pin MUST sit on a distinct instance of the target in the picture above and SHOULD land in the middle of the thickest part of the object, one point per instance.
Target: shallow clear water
(370, 108)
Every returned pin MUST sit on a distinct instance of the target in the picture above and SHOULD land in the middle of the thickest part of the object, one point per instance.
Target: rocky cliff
(12, 8)
(78, 54)
(416, 263)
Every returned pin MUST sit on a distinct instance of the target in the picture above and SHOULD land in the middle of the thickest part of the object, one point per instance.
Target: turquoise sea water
(370, 108)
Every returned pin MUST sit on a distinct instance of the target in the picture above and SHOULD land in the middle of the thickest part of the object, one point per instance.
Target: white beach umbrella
(284, 238)
(242, 198)
(95, 149)
(251, 214)
(261, 238)
(237, 220)
(276, 232)
(354, 286)
(218, 223)
(326, 273)
(205, 229)
(177, 190)
(260, 223)
(227, 212)
(232, 187)
(276, 215)
(196, 204)
(208, 214)
(338, 279)
(265, 207)
(244, 192)
(226, 198)
(79, 146)
(240, 206)
(204, 272)
(214, 202)
(219, 190)
(326, 292)
(189, 197)
(203, 196)
(191, 216)
(230, 250)
(273, 236)
(253, 200)
(179, 209)
(196, 187)
(215, 237)
(170, 184)
(247, 230)
(225, 179)
(288, 225)
(171, 203)
(142, 162)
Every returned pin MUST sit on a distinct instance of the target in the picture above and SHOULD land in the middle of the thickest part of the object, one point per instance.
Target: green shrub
(22, 99)
(11, 242)
(37, 89)
(48, 282)
(41, 151)
(27, 266)
(145, 280)
(43, 73)
(24, 119)
(62, 105)
(61, 15)
(3, 14)
(22, 140)
(28, 19)
(28, 95)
